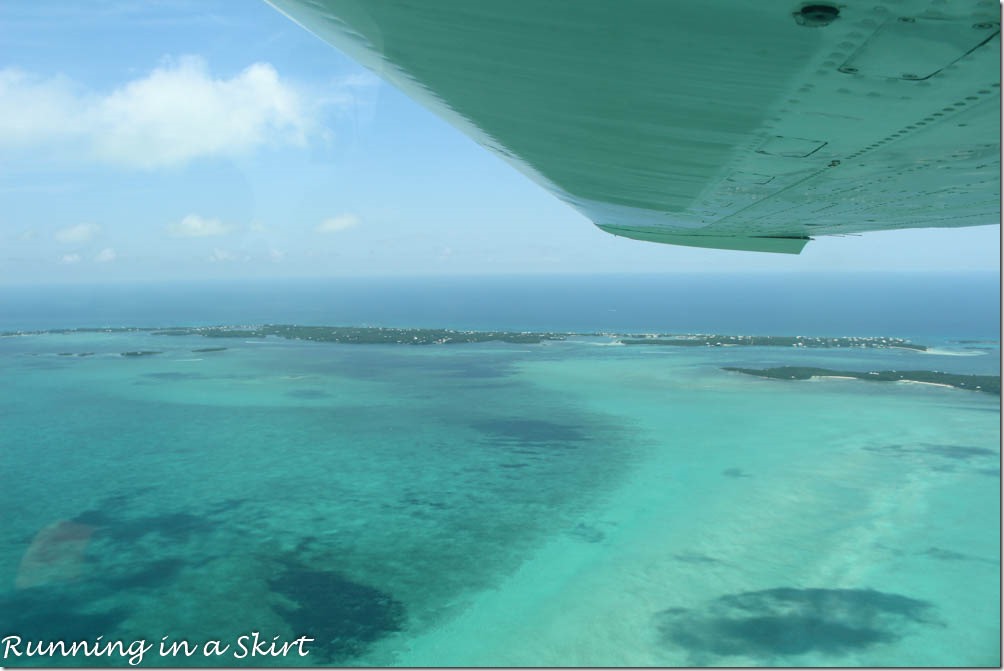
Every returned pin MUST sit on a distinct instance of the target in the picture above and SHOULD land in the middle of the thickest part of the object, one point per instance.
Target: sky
(198, 139)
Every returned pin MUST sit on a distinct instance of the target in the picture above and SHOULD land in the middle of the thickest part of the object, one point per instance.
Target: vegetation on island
(772, 341)
(363, 335)
(989, 384)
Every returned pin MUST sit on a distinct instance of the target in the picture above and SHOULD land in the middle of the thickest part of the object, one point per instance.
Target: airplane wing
(736, 124)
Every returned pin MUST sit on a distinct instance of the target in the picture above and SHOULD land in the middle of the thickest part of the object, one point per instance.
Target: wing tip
(770, 244)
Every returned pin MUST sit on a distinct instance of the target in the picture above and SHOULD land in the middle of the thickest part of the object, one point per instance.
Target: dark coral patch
(788, 621)
(960, 452)
(342, 616)
(587, 533)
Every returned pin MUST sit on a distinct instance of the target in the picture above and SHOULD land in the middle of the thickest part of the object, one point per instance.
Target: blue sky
(185, 139)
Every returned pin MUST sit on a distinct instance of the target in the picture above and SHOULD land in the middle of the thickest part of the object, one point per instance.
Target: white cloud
(78, 233)
(222, 255)
(336, 224)
(106, 255)
(69, 259)
(176, 113)
(194, 226)
(33, 109)
(26, 235)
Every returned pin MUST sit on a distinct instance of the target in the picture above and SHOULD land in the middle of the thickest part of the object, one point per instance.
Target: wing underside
(736, 124)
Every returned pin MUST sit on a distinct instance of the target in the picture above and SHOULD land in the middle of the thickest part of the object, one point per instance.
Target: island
(359, 335)
(370, 335)
(988, 384)
(772, 341)
(379, 335)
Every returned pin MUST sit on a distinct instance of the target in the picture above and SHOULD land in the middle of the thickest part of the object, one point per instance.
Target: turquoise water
(567, 503)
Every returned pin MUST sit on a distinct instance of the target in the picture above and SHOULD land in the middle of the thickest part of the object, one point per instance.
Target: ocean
(936, 304)
(198, 500)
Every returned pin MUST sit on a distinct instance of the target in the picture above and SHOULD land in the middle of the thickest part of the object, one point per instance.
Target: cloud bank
(176, 113)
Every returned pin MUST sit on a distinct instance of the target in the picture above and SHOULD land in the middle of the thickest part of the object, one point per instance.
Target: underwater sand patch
(55, 555)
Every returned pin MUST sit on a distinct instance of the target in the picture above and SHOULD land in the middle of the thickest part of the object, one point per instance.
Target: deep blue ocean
(937, 304)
